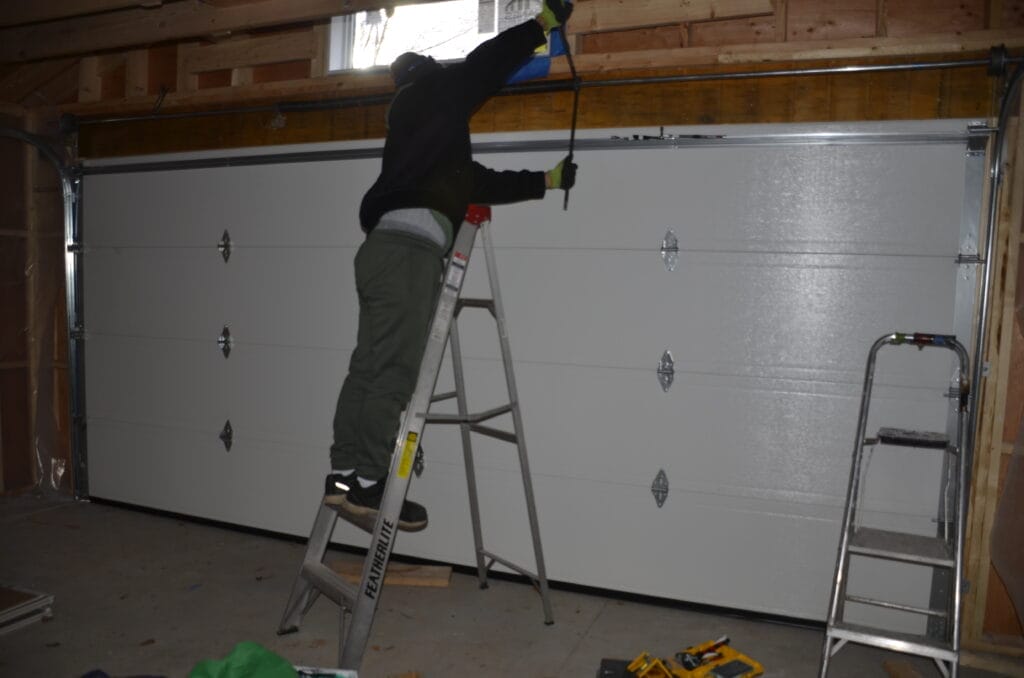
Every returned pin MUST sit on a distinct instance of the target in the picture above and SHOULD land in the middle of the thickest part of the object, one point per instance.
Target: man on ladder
(427, 180)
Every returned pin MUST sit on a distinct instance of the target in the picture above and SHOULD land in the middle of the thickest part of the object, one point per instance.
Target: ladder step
(909, 548)
(330, 584)
(471, 418)
(906, 438)
(898, 606)
(907, 643)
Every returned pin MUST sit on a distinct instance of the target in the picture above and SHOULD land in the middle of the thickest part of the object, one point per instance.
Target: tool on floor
(713, 659)
(943, 552)
(314, 576)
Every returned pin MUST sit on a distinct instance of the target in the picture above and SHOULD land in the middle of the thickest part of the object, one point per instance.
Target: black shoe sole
(365, 518)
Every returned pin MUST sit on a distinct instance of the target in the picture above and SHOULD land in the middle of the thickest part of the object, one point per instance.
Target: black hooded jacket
(427, 155)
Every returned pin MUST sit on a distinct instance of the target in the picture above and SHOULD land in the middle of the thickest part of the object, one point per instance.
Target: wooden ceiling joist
(182, 20)
(30, 77)
(612, 15)
(16, 12)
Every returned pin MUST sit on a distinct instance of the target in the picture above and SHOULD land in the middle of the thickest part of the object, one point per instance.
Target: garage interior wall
(131, 79)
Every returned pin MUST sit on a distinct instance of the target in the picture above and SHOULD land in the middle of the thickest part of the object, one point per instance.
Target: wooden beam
(136, 78)
(91, 72)
(399, 574)
(174, 21)
(318, 63)
(14, 12)
(781, 20)
(230, 54)
(852, 48)
(357, 83)
(28, 78)
(614, 15)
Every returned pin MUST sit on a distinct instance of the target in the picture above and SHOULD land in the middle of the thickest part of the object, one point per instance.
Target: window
(444, 30)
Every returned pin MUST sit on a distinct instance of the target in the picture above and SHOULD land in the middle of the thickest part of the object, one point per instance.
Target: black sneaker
(360, 506)
(336, 485)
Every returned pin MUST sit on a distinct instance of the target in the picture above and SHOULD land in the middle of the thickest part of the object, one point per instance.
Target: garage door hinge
(666, 371)
(224, 246)
(670, 250)
(225, 341)
(969, 259)
(659, 488)
(227, 435)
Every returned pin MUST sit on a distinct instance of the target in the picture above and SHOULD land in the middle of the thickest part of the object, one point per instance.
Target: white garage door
(797, 247)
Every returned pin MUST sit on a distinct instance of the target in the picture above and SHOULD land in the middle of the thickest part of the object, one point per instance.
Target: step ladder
(361, 602)
(941, 554)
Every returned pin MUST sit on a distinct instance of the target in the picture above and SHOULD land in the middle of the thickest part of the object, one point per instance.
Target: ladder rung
(907, 438)
(907, 643)
(475, 303)
(438, 397)
(510, 565)
(472, 418)
(495, 433)
(910, 548)
(330, 584)
(898, 606)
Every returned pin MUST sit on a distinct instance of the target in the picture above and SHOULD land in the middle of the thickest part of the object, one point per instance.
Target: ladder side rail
(467, 451)
(386, 528)
(517, 419)
(304, 594)
(965, 456)
(836, 607)
(850, 512)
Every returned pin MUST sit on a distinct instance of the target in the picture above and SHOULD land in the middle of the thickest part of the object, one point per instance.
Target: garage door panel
(787, 316)
(156, 292)
(285, 394)
(335, 187)
(298, 297)
(741, 438)
(156, 209)
(157, 382)
(813, 199)
(193, 208)
(793, 258)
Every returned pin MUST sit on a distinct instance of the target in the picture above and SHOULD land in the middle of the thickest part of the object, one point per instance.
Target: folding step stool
(943, 552)
(314, 577)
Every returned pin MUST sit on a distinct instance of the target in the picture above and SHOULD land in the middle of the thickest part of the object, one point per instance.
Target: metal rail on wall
(70, 182)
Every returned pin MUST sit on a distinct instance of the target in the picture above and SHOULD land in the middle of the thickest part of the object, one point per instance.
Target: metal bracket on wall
(227, 435)
(670, 250)
(225, 341)
(224, 246)
(666, 371)
(659, 488)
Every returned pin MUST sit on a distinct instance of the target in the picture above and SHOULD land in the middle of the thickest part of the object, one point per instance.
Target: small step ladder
(942, 553)
(361, 602)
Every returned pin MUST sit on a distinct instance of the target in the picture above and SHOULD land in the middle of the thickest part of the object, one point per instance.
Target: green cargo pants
(398, 277)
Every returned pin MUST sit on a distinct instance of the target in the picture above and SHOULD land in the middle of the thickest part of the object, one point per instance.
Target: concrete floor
(143, 594)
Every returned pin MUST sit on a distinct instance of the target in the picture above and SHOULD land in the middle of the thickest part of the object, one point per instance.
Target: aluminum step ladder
(361, 602)
(941, 554)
